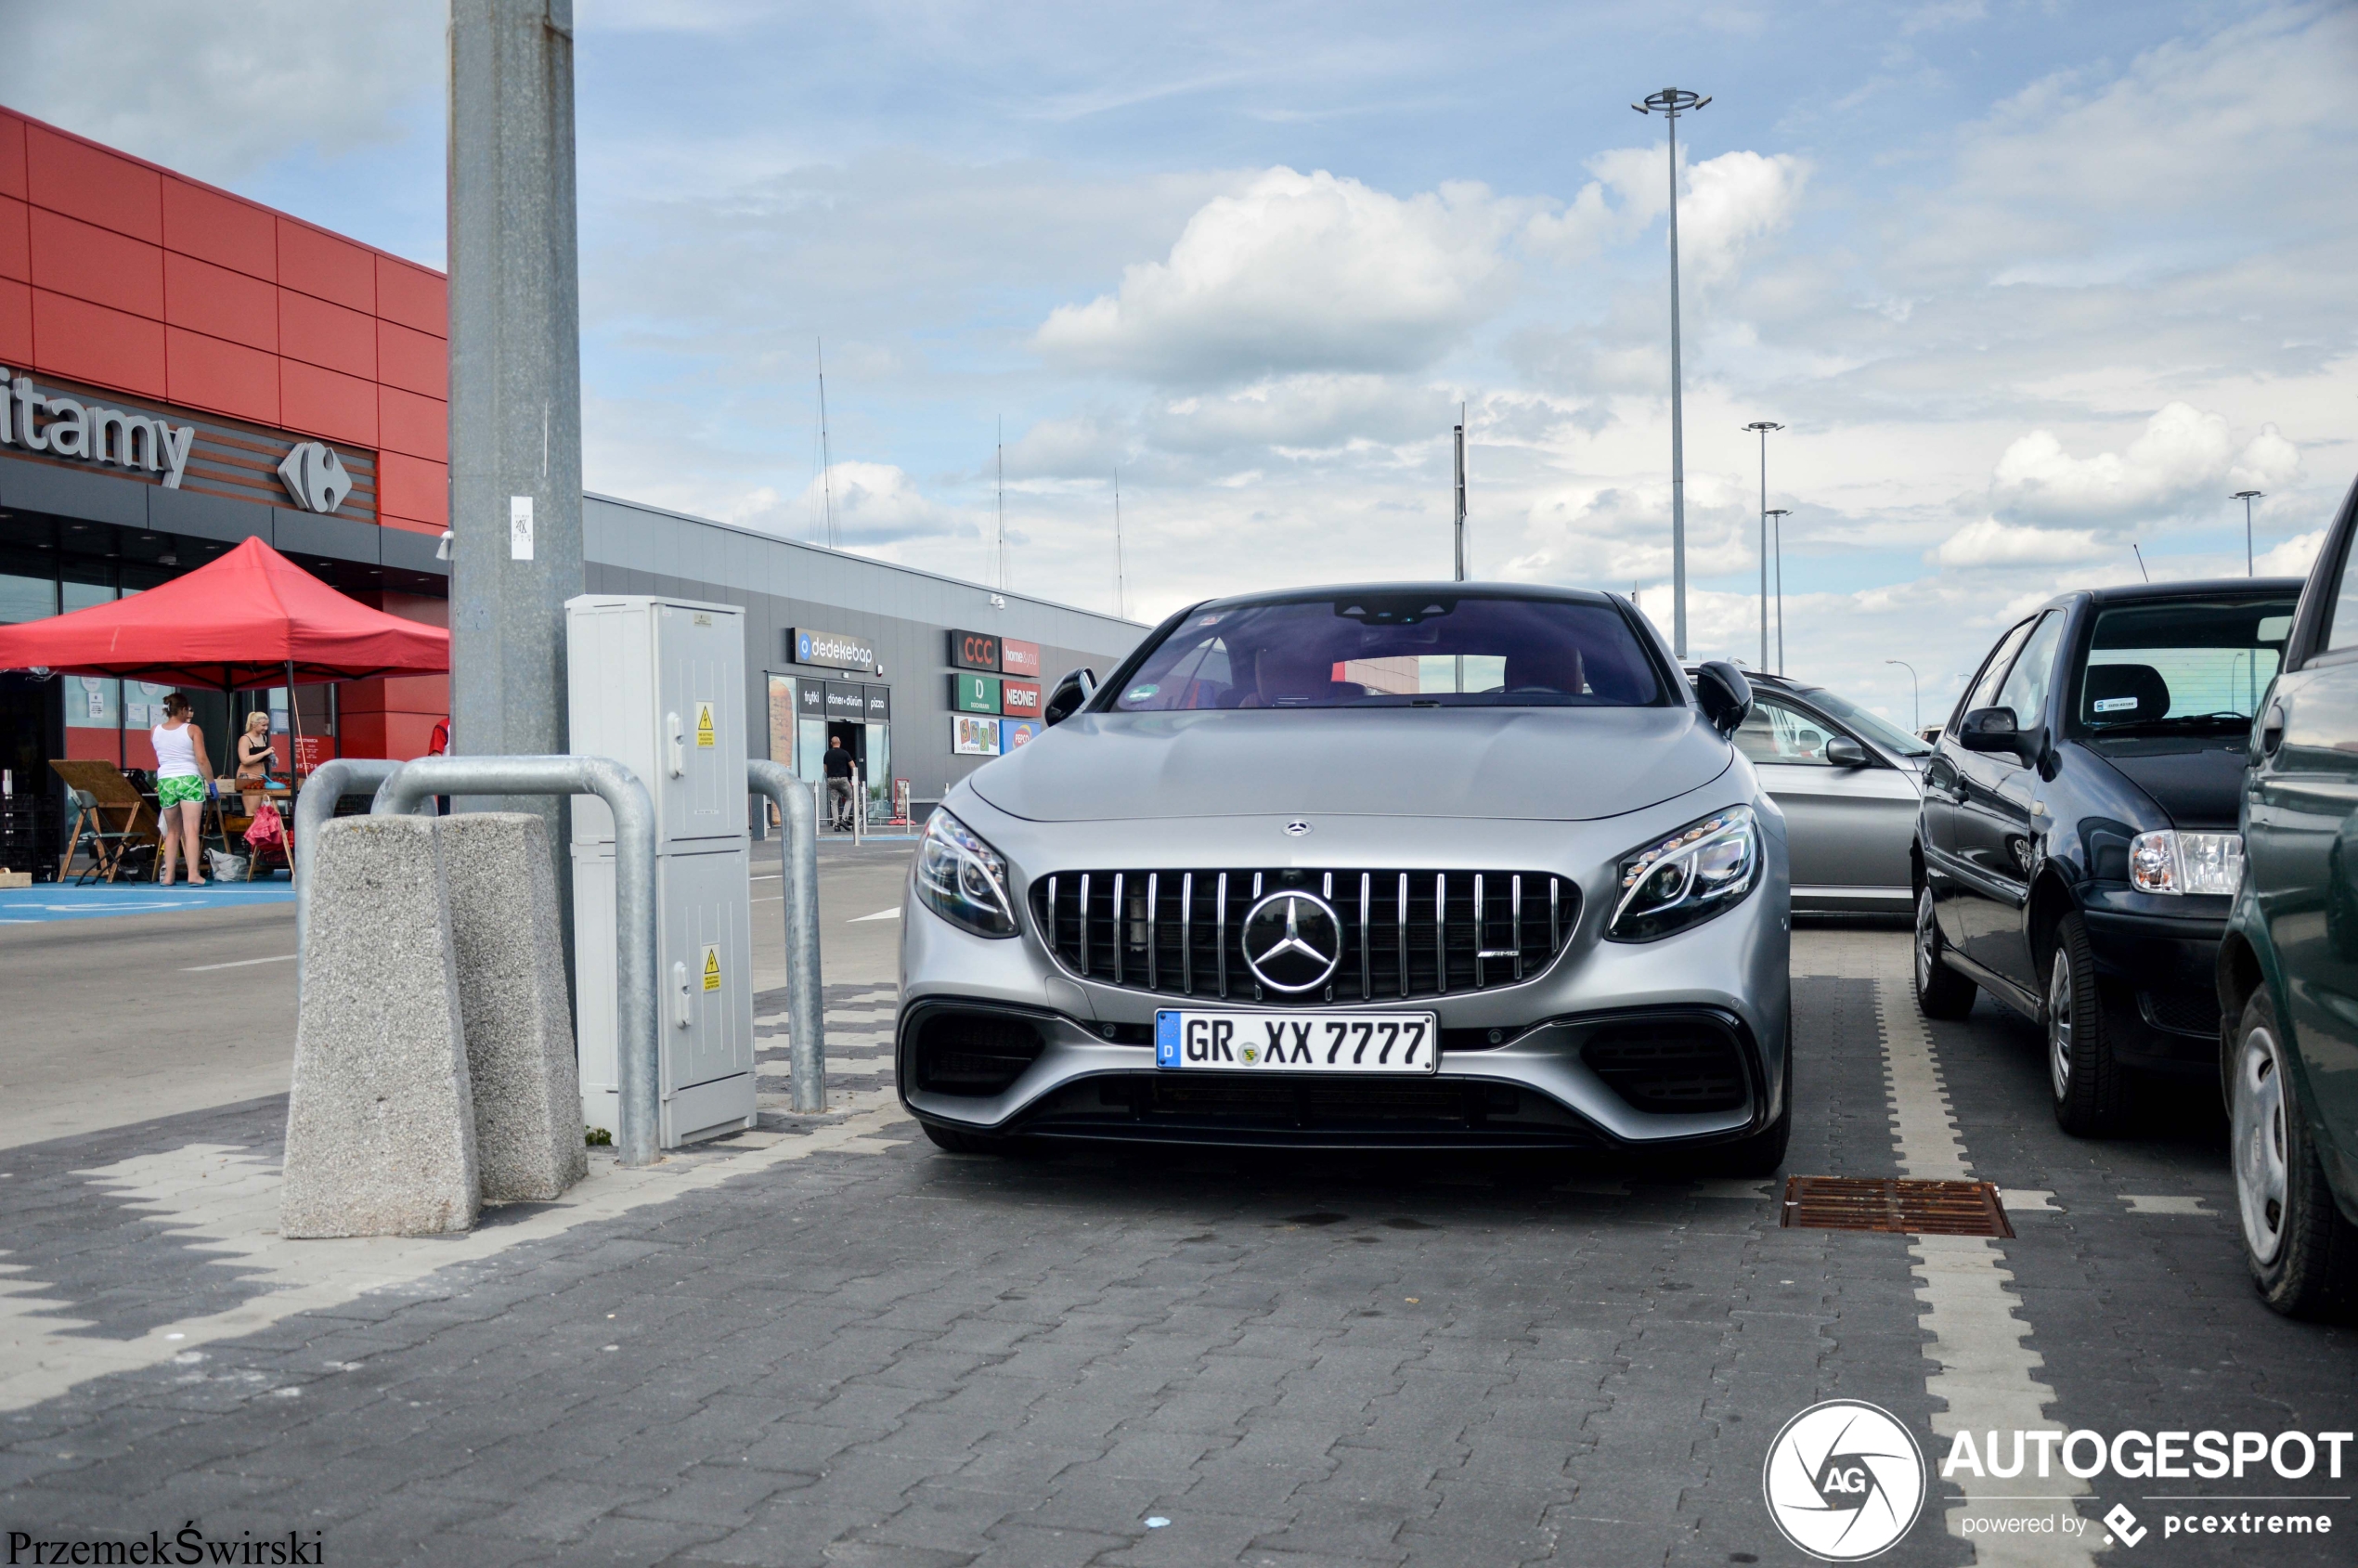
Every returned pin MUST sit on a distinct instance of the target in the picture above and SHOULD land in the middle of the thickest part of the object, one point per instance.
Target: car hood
(1556, 764)
(2198, 784)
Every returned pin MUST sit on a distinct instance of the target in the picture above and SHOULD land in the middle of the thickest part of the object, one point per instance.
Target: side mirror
(1843, 752)
(1725, 693)
(1994, 728)
(1073, 693)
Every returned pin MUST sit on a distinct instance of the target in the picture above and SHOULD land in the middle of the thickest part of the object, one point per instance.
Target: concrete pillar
(515, 389)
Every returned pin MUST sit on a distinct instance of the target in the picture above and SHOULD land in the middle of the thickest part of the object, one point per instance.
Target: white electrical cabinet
(658, 685)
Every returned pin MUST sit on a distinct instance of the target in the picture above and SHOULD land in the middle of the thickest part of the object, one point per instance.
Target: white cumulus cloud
(874, 503)
(1296, 272)
(1725, 204)
(2184, 455)
(1992, 543)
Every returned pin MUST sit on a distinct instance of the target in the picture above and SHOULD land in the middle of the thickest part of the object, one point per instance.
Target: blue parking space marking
(1166, 1038)
(25, 906)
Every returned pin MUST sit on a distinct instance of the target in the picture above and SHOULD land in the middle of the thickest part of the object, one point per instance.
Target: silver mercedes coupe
(1404, 866)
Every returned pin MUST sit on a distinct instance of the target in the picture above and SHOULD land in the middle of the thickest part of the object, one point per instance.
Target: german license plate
(1296, 1042)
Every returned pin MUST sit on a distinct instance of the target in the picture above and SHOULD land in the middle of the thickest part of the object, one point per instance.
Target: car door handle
(2272, 730)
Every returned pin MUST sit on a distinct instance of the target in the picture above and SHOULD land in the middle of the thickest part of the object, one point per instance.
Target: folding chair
(106, 846)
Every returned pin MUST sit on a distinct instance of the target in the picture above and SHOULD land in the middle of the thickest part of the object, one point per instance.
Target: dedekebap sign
(834, 650)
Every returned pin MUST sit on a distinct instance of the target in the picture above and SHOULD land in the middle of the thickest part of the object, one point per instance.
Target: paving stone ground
(875, 1353)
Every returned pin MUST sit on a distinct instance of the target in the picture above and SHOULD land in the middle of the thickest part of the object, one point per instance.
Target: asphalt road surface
(827, 1341)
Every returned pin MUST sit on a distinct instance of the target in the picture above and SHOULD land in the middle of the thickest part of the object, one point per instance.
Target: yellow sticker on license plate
(1335, 1042)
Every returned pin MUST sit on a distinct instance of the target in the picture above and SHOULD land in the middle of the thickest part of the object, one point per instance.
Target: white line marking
(2027, 1200)
(2144, 1203)
(1974, 1317)
(892, 914)
(224, 1200)
(240, 963)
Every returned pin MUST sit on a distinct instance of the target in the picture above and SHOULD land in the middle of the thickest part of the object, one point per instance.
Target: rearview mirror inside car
(1071, 694)
(1725, 693)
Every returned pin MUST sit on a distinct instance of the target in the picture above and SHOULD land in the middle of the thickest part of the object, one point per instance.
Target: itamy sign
(65, 427)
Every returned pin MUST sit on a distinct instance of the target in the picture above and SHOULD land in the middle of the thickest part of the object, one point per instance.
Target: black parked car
(2076, 852)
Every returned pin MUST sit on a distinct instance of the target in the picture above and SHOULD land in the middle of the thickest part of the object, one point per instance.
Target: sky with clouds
(2027, 282)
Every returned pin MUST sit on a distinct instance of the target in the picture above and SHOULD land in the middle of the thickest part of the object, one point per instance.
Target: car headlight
(2171, 861)
(963, 879)
(1694, 874)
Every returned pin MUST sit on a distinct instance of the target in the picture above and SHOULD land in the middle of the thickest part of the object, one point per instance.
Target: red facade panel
(413, 490)
(16, 241)
(93, 185)
(97, 265)
(220, 303)
(429, 695)
(398, 736)
(413, 296)
(407, 422)
(320, 334)
(327, 267)
(226, 378)
(325, 403)
(220, 230)
(16, 323)
(86, 342)
(11, 156)
(412, 360)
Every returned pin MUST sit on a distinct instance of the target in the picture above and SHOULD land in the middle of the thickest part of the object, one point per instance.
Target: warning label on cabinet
(704, 727)
(711, 967)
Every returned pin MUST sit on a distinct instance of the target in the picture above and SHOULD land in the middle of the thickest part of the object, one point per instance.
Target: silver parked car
(1849, 782)
(1401, 866)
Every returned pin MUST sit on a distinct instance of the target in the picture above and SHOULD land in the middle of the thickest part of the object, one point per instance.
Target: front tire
(2085, 1079)
(2302, 1254)
(1941, 992)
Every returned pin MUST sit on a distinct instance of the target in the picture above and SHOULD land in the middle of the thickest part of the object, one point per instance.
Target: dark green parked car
(2289, 966)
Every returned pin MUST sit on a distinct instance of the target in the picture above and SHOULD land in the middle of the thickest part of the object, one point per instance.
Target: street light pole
(1670, 103)
(1763, 427)
(1777, 516)
(2248, 497)
(1915, 694)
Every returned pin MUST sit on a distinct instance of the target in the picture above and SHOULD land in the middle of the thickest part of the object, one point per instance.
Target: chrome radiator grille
(1406, 934)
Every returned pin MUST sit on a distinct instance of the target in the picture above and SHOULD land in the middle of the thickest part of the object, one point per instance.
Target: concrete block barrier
(380, 1135)
(510, 942)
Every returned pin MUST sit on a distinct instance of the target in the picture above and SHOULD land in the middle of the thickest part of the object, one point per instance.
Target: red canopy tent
(252, 618)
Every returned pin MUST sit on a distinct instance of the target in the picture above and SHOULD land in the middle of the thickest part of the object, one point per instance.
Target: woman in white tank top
(181, 773)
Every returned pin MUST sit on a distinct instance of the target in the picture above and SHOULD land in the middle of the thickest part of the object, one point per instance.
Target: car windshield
(2181, 667)
(1410, 648)
(1874, 726)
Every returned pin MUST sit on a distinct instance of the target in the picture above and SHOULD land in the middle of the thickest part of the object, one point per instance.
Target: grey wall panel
(207, 517)
(340, 538)
(412, 552)
(70, 492)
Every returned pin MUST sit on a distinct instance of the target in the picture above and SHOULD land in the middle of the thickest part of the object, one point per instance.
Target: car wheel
(1941, 992)
(958, 1141)
(2302, 1254)
(2086, 1081)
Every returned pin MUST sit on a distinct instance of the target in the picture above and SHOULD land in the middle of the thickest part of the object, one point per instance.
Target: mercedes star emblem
(1296, 829)
(1293, 942)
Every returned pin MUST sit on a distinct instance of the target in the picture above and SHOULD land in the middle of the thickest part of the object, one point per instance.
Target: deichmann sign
(66, 427)
(974, 693)
(836, 650)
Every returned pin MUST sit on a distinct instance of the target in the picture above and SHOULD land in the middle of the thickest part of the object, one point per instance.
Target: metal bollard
(805, 992)
(315, 806)
(636, 1029)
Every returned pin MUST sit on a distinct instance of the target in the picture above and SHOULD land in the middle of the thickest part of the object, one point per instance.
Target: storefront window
(88, 583)
(28, 587)
(781, 720)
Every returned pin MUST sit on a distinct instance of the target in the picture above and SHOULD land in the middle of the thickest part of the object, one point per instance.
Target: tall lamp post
(2248, 497)
(1670, 103)
(1763, 427)
(1777, 516)
(1915, 694)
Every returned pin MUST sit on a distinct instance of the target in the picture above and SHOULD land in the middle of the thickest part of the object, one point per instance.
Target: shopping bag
(269, 830)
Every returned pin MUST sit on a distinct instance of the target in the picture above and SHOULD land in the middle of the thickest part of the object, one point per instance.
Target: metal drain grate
(1888, 1204)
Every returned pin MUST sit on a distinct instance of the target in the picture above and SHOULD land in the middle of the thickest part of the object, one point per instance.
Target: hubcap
(2059, 1023)
(2259, 1141)
(1925, 934)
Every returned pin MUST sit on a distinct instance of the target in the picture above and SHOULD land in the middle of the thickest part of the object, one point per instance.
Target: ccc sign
(974, 650)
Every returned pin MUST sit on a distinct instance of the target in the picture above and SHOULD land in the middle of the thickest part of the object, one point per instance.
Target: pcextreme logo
(1844, 1481)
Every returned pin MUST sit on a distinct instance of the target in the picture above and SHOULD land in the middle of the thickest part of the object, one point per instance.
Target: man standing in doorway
(838, 769)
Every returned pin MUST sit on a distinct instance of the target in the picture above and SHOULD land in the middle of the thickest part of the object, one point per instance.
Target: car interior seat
(2113, 693)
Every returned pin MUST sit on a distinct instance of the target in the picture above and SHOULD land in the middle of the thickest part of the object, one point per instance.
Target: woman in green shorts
(180, 785)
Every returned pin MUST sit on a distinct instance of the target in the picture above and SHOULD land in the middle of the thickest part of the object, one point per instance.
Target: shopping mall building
(167, 345)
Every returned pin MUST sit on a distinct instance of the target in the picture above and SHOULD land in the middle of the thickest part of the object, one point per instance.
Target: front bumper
(2154, 975)
(1569, 1068)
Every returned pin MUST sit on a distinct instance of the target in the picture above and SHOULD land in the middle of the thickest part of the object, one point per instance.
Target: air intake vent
(1404, 934)
(1675, 1066)
(976, 1054)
